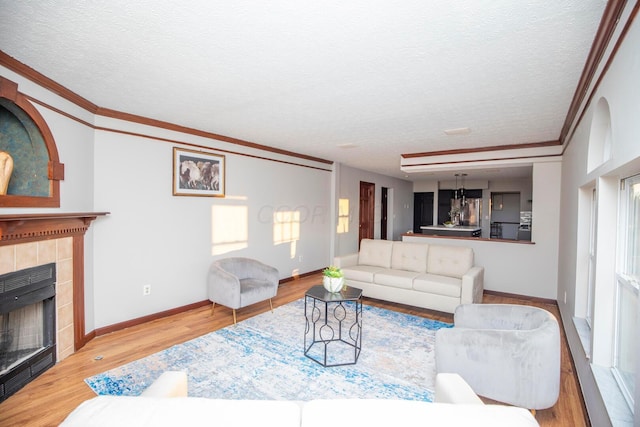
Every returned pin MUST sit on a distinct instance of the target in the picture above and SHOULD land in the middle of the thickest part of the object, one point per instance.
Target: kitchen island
(458, 230)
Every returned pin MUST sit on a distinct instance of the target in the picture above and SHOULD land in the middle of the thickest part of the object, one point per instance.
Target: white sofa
(437, 277)
(165, 404)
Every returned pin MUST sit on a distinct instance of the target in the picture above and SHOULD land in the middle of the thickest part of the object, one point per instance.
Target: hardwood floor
(48, 399)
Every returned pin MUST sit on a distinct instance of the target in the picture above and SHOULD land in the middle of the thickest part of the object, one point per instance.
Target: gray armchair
(239, 282)
(508, 353)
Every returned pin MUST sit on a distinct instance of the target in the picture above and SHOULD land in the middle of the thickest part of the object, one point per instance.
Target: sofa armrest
(451, 388)
(472, 286)
(169, 384)
(349, 260)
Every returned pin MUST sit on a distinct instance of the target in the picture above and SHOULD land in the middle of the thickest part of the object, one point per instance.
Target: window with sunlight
(628, 282)
(343, 216)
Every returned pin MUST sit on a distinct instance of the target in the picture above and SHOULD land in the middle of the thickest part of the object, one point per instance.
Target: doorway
(384, 214)
(505, 215)
(367, 211)
(422, 210)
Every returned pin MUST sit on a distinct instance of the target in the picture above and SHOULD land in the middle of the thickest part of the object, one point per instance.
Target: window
(343, 216)
(628, 283)
(591, 285)
(37, 172)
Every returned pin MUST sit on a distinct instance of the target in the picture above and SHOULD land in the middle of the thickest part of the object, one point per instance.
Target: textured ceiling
(383, 77)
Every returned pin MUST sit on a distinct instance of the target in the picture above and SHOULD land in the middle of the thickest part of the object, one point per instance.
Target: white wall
(400, 209)
(152, 237)
(426, 187)
(620, 88)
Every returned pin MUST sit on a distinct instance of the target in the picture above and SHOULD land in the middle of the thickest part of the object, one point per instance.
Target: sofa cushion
(182, 411)
(449, 261)
(376, 253)
(391, 412)
(361, 273)
(409, 257)
(441, 285)
(395, 278)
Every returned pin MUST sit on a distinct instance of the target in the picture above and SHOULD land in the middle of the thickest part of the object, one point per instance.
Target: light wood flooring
(48, 399)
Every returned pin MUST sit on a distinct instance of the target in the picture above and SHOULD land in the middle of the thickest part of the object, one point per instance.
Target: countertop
(456, 228)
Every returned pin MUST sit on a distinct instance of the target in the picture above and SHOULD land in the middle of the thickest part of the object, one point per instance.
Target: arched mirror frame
(55, 172)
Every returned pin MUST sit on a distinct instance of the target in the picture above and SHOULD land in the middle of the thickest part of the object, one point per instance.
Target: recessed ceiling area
(478, 174)
(355, 82)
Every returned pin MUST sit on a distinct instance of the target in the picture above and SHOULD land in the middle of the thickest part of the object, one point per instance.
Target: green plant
(332, 271)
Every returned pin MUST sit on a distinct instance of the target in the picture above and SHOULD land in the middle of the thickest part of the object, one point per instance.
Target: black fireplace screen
(27, 326)
(21, 335)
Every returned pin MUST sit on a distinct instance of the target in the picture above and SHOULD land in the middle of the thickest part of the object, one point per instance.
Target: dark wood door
(422, 210)
(367, 212)
(384, 215)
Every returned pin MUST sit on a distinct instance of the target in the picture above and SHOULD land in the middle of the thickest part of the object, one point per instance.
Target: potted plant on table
(333, 279)
(454, 214)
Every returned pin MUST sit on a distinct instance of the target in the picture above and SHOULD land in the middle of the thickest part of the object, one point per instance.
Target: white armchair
(508, 353)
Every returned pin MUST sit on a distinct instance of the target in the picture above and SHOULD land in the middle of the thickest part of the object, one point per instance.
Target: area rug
(263, 358)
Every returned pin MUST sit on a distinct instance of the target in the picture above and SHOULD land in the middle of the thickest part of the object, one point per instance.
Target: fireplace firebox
(27, 326)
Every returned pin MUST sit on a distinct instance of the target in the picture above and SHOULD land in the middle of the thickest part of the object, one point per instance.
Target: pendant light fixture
(460, 191)
(455, 193)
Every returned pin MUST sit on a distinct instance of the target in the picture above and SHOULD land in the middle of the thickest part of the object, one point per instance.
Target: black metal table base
(333, 326)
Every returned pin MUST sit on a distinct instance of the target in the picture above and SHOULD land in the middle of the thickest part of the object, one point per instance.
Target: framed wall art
(198, 173)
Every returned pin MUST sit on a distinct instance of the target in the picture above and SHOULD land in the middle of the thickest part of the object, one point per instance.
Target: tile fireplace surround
(34, 239)
(25, 255)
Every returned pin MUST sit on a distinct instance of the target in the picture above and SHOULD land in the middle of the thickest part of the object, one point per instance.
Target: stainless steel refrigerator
(470, 211)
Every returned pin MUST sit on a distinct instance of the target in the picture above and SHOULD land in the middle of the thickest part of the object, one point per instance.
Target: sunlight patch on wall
(229, 229)
(286, 229)
(343, 216)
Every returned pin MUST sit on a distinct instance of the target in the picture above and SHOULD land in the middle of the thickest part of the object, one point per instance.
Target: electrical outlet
(146, 290)
(565, 297)
(300, 258)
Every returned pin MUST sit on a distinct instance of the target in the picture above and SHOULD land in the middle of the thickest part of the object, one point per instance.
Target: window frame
(627, 284)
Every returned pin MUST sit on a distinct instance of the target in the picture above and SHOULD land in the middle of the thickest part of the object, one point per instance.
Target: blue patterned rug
(263, 358)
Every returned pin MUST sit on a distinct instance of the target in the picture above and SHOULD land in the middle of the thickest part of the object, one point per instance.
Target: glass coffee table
(333, 328)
